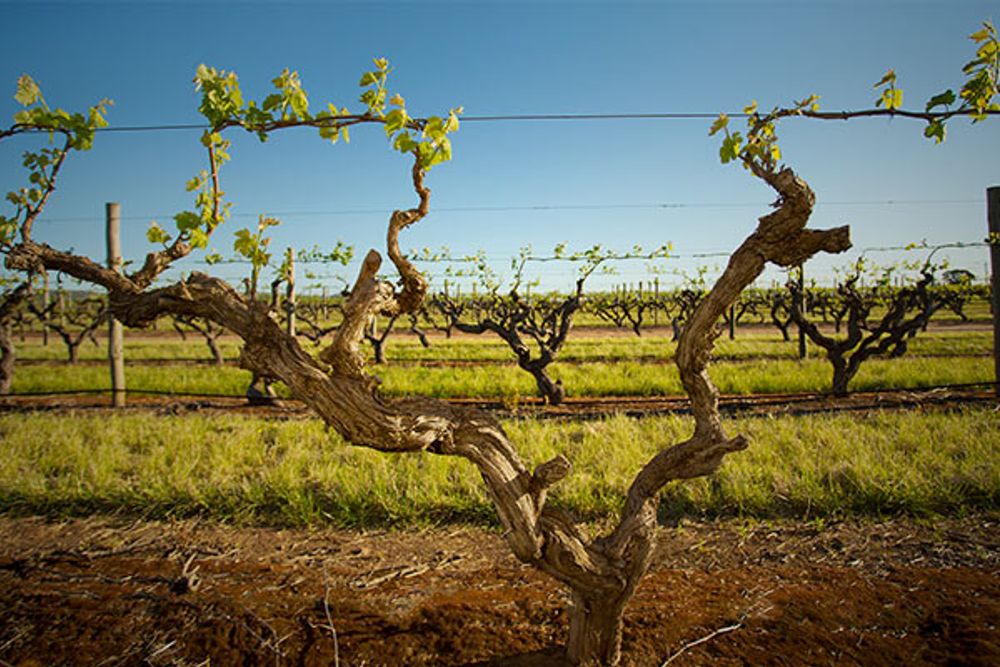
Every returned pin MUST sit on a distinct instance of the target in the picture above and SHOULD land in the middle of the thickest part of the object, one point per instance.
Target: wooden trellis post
(656, 300)
(290, 292)
(802, 305)
(116, 354)
(993, 222)
(45, 308)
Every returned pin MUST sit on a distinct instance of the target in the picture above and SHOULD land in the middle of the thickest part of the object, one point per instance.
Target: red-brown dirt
(104, 591)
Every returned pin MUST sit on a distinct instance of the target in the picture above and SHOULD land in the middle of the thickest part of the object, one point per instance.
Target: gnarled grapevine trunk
(551, 391)
(7, 357)
(603, 573)
(11, 302)
(518, 323)
(908, 311)
(781, 237)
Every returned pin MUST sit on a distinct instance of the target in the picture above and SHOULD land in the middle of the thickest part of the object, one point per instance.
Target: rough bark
(9, 307)
(7, 358)
(781, 313)
(416, 330)
(74, 326)
(213, 347)
(519, 323)
(687, 300)
(908, 310)
(313, 317)
(780, 238)
(601, 573)
(377, 340)
(620, 308)
(209, 330)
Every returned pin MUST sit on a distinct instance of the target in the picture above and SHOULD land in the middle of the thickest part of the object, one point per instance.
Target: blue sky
(513, 183)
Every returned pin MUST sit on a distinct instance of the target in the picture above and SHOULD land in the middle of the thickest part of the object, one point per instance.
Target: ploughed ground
(115, 591)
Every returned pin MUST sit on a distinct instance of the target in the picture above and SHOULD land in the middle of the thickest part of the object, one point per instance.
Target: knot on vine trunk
(369, 297)
(546, 475)
(706, 460)
(20, 258)
(808, 242)
(413, 282)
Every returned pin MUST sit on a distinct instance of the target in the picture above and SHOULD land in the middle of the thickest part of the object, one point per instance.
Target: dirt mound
(104, 592)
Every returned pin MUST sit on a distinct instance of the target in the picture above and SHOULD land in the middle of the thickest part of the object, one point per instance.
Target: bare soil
(106, 591)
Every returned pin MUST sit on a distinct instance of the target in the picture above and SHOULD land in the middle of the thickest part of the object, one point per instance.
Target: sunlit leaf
(187, 220)
(720, 123)
(395, 120)
(945, 99)
(198, 238)
(28, 92)
(935, 130)
(980, 35)
(730, 149)
(156, 234)
(888, 78)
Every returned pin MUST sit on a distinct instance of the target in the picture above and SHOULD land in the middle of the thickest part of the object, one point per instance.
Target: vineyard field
(593, 363)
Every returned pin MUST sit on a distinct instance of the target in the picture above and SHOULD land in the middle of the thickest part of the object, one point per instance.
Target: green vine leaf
(945, 99)
(720, 124)
(731, 146)
(892, 97)
(156, 234)
(28, 92)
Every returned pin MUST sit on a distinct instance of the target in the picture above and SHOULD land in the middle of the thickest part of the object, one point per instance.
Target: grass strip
(578, 348)
(772, 376)
(249, 470)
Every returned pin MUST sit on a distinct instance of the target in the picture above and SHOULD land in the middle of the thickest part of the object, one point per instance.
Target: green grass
(592, 366)
(137, 348)
(293, 473)
(228, 380)
(581, 347)
(509, 382)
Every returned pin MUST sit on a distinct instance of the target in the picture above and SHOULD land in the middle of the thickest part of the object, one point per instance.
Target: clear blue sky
(514, 183)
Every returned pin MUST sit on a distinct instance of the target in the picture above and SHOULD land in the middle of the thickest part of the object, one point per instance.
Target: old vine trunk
(601, 573)
(10, 304)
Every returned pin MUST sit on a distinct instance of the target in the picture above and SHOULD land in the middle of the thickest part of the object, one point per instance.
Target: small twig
(329, 618)
(400, 572)
(165, 647)
(188, 581)
(13, 639)
(710, 636)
